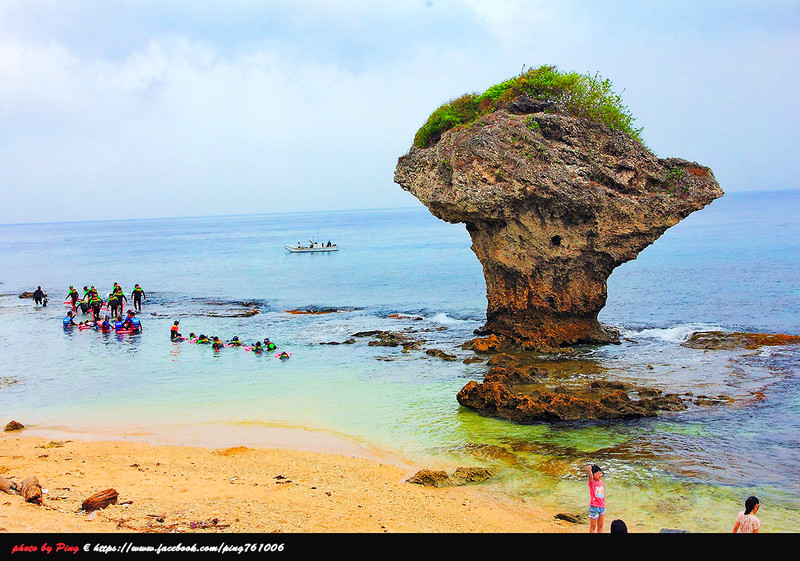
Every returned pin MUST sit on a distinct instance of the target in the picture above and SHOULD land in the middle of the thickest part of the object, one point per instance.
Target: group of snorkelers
(91, 302)
(129, 324)
(217, 344)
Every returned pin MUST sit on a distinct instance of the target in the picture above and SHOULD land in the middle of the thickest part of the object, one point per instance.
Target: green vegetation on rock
(578, 95)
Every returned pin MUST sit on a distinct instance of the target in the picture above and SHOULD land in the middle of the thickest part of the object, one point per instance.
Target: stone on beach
(14, 426)
(440, 478)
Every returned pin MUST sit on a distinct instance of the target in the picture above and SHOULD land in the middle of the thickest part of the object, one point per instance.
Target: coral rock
(14, 425)
(553, 204)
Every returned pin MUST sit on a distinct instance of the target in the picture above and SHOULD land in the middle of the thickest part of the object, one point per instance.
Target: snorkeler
(117, 291)
(73, 295)
(269, 345)
(68, 320)
(114, 304)
(136, 324)
(127, 323)
(137, 295)
(95, 303)
(257, 348)
(217, 344)
(173, 331)
(235, 342)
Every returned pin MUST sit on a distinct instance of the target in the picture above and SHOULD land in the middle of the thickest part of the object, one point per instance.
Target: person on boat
(68, 320)
(173, 331)
(217, 344)
(73, 296)
(138, 294)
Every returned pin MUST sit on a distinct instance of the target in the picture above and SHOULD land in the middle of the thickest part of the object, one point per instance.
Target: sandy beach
(168, 488)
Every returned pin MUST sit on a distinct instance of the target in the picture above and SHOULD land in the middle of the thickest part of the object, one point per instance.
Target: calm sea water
(732, 266)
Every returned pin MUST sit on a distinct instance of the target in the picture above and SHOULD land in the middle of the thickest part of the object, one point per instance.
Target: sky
(143, 109)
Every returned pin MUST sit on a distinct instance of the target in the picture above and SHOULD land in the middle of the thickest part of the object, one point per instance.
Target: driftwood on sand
(100, 500)
(31, 490)
(7, 486)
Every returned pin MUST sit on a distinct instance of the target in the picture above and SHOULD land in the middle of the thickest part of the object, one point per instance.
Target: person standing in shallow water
(746, 521)
(114, 305)
(137, 295)
(73, 296)
(117, 291)
(597, 499)
(38, 296)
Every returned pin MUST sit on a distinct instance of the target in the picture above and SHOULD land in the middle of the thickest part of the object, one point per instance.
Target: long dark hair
(619, 527)
(750, 504)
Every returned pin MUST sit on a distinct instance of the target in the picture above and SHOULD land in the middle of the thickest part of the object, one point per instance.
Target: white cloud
(309, 107)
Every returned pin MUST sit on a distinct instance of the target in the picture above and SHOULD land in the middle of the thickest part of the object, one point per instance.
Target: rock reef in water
(499, 395)
(553, 203)
(719, 340)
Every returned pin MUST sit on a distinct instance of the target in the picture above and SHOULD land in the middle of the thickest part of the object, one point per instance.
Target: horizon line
(193, 217)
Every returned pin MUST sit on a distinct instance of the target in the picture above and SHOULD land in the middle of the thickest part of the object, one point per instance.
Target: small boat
(312, 247)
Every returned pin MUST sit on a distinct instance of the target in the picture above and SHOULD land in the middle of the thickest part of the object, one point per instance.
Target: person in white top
(746, 522)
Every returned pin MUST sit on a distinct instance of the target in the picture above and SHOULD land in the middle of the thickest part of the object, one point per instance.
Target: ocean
(733, 266)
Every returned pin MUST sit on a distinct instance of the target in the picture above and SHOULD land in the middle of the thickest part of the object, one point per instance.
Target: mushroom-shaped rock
(553, 203)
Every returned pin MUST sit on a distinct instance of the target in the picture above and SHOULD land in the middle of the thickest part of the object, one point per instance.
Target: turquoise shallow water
(733, 266)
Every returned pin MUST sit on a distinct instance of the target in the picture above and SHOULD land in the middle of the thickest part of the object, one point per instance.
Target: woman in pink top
(597, 499)
(746, 522)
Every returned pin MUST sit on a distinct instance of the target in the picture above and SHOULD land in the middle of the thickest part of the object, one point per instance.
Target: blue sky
(137, 109)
